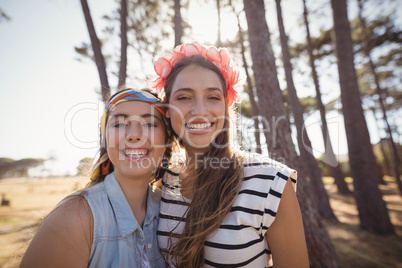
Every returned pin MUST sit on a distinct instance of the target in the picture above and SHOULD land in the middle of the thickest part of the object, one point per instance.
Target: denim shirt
(118, 239)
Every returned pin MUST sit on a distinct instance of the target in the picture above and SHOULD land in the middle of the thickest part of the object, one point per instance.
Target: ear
(167, 114)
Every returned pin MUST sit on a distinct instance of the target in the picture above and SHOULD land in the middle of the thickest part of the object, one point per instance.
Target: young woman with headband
(113, 221)
(223, 207)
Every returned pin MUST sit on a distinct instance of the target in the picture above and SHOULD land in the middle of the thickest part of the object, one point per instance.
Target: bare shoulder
(286, 234)
(64, 238)
(73, 210)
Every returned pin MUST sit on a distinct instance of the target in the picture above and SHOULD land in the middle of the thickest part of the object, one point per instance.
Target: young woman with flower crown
(223, 208)
(113, 221)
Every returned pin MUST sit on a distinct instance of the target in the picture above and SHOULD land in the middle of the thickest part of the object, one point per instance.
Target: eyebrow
(189, 89)
(142, 116)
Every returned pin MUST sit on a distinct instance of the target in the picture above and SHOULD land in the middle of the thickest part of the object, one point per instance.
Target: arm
(285, 236)
(65, 237)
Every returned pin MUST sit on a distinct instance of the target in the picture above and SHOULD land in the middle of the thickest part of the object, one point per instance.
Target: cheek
(157, 136)
(113, 137)
(221, 113)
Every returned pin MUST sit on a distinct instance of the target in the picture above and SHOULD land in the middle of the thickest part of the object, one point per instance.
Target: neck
(194, 158)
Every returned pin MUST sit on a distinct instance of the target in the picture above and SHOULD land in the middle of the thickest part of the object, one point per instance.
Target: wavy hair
(214, 190)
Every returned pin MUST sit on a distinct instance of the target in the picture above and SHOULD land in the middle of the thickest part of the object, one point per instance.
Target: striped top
(240, 240)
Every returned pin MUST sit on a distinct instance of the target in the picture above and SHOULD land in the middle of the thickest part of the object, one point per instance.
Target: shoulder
(64, 238)
(73, 211)
(254, 163)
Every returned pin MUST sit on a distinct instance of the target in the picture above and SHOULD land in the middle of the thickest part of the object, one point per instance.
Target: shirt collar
(125, 218)
(153, 203)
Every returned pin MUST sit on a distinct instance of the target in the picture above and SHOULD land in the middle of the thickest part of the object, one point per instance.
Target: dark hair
(213, 198)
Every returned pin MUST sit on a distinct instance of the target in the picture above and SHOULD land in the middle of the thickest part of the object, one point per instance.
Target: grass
(31, 199)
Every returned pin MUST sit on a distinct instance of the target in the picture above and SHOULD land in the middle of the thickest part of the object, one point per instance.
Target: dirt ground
(32, 198)
(358, 248)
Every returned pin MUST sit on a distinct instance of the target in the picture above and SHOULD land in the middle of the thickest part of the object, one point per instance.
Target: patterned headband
(102, 166)
(220, 57)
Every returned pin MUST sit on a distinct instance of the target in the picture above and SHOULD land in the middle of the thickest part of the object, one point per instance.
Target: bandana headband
(220, 57)
(102, 166)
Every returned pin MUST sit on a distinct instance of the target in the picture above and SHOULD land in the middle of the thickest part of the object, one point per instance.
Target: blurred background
(331, 69)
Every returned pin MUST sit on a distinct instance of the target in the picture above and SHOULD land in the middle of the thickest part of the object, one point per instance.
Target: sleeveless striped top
(240, 240)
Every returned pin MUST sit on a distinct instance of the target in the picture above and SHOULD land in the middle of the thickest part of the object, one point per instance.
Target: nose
(134, 131)
(199, 108)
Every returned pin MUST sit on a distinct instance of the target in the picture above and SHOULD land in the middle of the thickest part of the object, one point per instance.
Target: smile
(199, 126)
(136, 153)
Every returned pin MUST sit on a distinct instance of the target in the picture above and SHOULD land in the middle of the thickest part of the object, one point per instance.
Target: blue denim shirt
(118, 240)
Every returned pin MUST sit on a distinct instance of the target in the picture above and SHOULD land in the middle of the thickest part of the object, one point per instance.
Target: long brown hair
(214, 190)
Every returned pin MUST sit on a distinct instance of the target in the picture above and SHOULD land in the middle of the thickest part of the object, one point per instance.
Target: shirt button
(149, 245)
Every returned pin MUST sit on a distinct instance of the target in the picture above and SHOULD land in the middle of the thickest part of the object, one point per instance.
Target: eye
(149, 124)
(215, 98)
(183, 98)
(119, 124)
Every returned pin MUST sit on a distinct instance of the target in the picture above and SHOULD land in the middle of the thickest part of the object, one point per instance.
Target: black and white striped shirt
(240, 240)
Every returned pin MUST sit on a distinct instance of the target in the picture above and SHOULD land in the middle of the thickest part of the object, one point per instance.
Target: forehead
(195, 76)
(131, 108)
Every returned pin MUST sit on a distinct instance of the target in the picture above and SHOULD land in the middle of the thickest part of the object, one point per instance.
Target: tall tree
(250, 92)
(321, 251)
(123, 44)
(373, 213)
(303, 139)
(96, 47)
(177, 21)
(18, 168)
(380, 93)
(218, 38)
(329, 157)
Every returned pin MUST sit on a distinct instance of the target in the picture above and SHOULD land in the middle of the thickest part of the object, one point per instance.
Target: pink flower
(162, 67)
(220, 57)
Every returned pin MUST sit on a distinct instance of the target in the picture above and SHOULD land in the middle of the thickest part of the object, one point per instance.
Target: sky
(42, 83)
(49, 107)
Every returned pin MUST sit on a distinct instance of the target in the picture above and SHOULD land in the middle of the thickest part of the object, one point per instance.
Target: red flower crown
(220, 57)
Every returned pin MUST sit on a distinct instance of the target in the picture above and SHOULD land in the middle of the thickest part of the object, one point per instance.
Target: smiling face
(135, 139)
(197, 107)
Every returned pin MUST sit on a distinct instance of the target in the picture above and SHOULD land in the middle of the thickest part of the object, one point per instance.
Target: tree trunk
(254, 106)
(329, 156)
(373, 213)
(219, 39)
(380, 93)
(303, 140)
(281, 147)
(386, 165)
(178, 26)
(96, 47)
(124, 44)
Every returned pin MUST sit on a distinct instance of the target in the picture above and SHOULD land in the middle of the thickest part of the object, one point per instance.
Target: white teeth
(136, 152)
(199, 126)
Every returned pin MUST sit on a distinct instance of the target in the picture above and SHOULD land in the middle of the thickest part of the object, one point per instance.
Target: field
(32, 198)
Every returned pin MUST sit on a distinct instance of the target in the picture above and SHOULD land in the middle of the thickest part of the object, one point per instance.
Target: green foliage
(309, 104)
(245, 109)
(149, 27)
(381, 31)
(321, 45)
(385, 38)
(10, 167)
